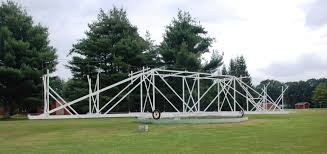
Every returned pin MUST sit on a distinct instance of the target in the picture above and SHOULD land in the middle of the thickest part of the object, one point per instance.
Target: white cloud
(317, 14)
(265, 32)
(304, 66)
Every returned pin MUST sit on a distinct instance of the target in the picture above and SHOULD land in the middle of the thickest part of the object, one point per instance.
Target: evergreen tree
(112, 46)
(152, 54)
(224, 70)
(232, 68)
(241, 70)
(184, 42)
(238, 68)
(215, 62)
(25, 54)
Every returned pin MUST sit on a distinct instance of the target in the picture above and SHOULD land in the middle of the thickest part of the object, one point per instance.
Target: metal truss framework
(152, 82)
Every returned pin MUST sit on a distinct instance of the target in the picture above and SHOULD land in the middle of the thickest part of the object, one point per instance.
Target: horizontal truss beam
(145, 78)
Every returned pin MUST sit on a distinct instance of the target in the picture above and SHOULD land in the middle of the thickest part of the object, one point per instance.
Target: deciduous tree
(320, 93)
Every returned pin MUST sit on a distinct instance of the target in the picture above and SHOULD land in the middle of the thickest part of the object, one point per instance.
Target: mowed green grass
(301, 132)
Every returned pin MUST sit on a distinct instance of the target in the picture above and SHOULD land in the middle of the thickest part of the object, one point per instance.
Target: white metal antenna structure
(183, 91)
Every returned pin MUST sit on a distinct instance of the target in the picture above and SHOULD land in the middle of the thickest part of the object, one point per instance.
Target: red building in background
(268, 106)
(302, 105)
(53, 105)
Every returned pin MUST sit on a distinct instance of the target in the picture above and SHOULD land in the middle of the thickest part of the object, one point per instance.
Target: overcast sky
(280, 39)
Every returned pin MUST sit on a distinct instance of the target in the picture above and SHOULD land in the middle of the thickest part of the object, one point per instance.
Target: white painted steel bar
(198, 93)
(164, 97)
(122, 98)
(153, 92)
(60, 103)
(99, 91)
(146, 78)
(53, 91)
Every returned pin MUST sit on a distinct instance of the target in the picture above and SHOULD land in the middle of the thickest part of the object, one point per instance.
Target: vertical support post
(218, 93)
(98, 94)
(265, 98)
(247, 99)
(234, 93)
(183, 87)
(198, 92)
(282, 98)
(141, 90)
(153, 92)
(45, 105)
(48, 93)
(90, 97)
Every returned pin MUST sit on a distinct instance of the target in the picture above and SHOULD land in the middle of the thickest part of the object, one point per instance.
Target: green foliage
(184, 42)
(152, 55)
(237, 67)
(186, 60)
(298, 92)
(320, 93)
(57, 84)
(25, 54)
(215, 62)
(301, 91)
(75, 88)
(224, 70)
(232, 67)
(274, 88)
(113, 47)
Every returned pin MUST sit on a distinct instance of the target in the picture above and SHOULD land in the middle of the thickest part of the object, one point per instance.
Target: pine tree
(241, 70)
(232, 68)
(152, 55)
(184, 42)
(25, 54)
(224, 70)
(238, 68)
(215, 62)
(112, 46)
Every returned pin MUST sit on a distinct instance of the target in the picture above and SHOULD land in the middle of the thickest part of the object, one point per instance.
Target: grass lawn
(301, 132)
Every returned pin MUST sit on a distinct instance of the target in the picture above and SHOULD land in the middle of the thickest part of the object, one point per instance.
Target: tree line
(313, 91)
(112, 46)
